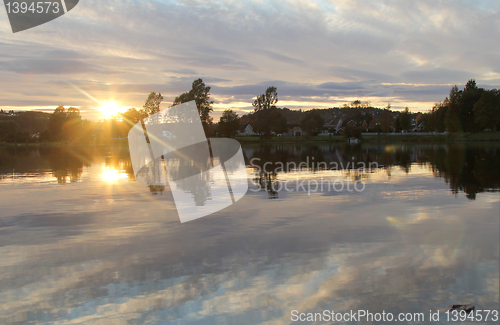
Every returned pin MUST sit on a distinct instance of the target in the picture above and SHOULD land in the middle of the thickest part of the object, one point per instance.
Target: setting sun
(110, 109)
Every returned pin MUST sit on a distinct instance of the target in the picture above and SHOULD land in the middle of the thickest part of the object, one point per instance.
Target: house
(297, 132)
(364, 126)
(11, 113)
(335, 124)
(373, 124)
(248, 132)
(417, 127)
(350, 123)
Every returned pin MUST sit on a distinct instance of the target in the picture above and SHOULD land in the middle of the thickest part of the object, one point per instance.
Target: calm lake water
(81, 242)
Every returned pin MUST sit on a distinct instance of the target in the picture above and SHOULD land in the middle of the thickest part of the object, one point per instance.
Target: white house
(247, 132)
(297, 131)
(334, 124)
(417, 127)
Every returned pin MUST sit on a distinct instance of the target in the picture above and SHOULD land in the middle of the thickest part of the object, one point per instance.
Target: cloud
(48, 66)
(319, 50)
(212, 61)
(361, 75)
(182, 71)
(280, 57)
(341, 85)
(438, 75)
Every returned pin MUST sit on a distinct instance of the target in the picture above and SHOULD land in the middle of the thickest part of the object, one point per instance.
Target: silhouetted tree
(386, 120)
(268, 117)
(65, 124)
(467, 98)
(72, 128)
(7, 129)
(312, 122)
(201, 95)
(229, 123)
(131, 115)
(437, 117)
(152, 105)
(405, 119)
(267, 100)
(352, 131)
(487, 110)
(452, 120)
(129, 118)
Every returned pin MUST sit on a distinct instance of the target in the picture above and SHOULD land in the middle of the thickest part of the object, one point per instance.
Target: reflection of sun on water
(110, 109)
(112, 175)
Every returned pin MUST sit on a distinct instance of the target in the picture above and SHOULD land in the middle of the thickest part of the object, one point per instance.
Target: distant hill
(293, 117)
(29, 121)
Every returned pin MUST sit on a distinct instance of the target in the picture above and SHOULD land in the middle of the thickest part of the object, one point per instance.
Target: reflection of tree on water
(63, 163)
(402, 158)
(273, 160)
(119, 159)
(471, 170)
(314, 157)
(7, 161)
(468, 169)
(154, 174)
(267, 182)
(22, 160)
(155, 189)
(198, 186)
(188, 168)
(67, 163)
(266, 177)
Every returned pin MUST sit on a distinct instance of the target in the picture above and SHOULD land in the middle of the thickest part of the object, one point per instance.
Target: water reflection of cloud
(151, 271)
(98, 254)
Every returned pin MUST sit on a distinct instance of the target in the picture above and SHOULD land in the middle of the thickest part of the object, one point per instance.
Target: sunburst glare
(110, 109)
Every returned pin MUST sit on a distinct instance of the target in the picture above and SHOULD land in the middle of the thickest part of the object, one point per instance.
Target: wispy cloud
(312, 51)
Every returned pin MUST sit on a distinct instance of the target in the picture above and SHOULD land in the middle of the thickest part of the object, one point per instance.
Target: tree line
(471, 109)
(66, 124)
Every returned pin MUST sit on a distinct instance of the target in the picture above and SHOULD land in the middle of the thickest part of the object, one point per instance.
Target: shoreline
(407, 138)
(334, 139)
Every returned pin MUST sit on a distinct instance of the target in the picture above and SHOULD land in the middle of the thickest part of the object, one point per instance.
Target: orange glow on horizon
(110, 109)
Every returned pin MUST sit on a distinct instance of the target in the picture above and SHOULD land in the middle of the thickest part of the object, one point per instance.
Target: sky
(318, 53)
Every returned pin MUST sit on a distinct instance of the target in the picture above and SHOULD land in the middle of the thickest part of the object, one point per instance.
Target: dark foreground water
(81, 242)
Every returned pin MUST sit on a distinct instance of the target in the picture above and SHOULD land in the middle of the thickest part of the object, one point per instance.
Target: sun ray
(110, 109)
